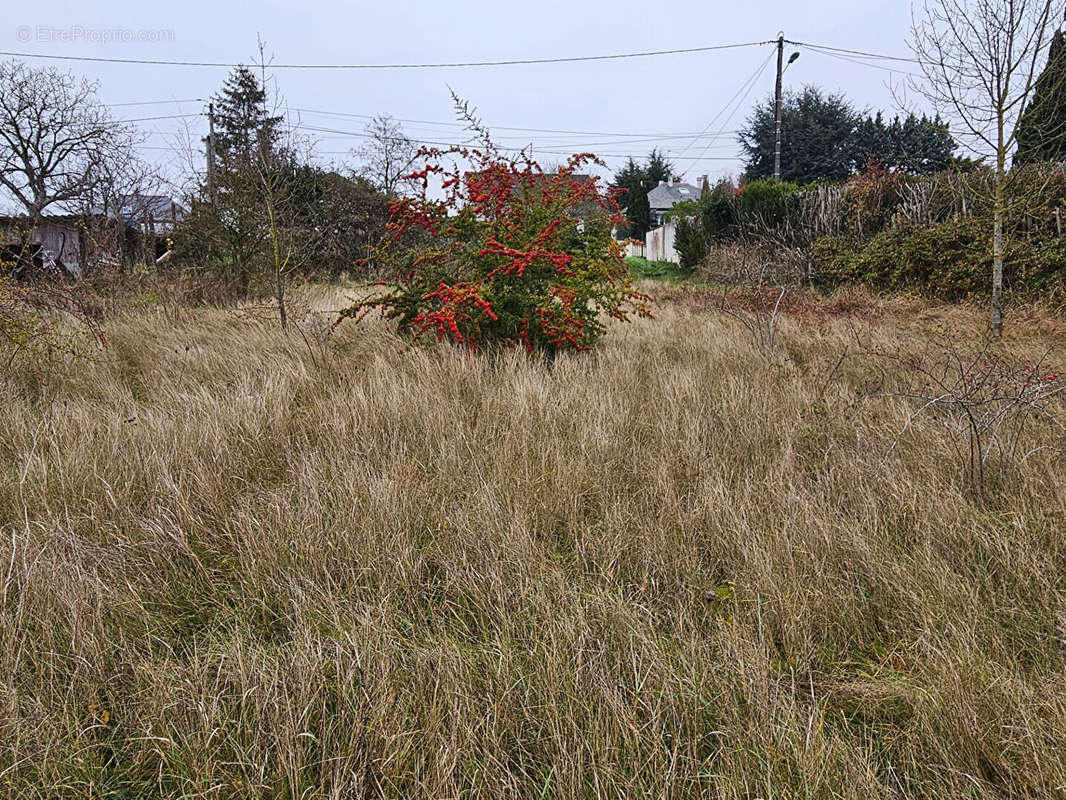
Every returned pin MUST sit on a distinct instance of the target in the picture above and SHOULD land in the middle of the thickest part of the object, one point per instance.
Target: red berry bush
(503, 253)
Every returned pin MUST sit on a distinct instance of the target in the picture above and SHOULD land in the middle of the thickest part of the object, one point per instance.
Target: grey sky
(660, 95)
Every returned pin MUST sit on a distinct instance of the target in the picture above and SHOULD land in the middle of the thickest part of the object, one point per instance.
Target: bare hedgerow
(996, 410)
(35, 318)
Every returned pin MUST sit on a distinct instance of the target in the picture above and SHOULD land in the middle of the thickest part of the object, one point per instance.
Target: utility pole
(778, 100)
(777, 105)
(209, 142)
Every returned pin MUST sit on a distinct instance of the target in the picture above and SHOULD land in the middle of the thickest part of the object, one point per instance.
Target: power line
(706, 147)
(863, 53)
(155, 102)
(167, 116)
(745, 88)
(630, 138)
(493, 127)
(578, 145)
(550, 150)
(538, 150)
(437, 65)
(163, 148)
(831, 54)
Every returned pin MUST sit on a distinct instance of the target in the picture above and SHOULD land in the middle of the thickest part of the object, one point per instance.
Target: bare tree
(387, 156)
(115, 202)
(980, 60)
(280, 199)
(56, 138)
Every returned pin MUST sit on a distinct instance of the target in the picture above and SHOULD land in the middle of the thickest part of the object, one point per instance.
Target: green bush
(766, 202)
(950, 260)
(834, 260)
(719, 213)
(690, 242)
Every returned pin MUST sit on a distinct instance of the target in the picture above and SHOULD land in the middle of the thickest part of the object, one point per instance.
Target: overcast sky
(662, 96)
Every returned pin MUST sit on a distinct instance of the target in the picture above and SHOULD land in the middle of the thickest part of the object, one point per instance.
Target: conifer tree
(817, 143)
(245, 129)
(639, 179)
(1042, 129)
(633, 178)
(248, 160)
(659, 169)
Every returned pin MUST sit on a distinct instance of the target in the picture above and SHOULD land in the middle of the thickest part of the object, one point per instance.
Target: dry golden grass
(236, 564)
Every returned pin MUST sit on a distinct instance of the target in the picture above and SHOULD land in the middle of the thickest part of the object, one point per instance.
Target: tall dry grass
(237, 564)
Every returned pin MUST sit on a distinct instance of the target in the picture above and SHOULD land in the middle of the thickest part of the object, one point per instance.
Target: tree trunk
(279, 291)
(997, 261)
(998, 213)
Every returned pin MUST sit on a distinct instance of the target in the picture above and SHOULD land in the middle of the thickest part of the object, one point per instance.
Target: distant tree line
(825, 139)
(266, 207)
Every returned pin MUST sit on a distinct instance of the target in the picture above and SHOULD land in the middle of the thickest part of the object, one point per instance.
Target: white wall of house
(659, 244)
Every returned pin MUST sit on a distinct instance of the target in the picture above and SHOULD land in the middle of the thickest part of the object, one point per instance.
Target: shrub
(19, 325)
(945, 260)
(715, 215)
(982, 399)
(949, 260)
(766, 202)
(511, 256)
(689, 242)
(30, 317)
(871, 198)
(833, 260)
(719, 213)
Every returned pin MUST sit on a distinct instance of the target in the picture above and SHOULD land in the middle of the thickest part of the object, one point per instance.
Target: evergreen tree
(917, 145)
(873, 142)
(926, 145)
(245, 131)
(639, 213)
(690, 242)
(633, 178)
(1042, 129)
(817, 142)
(659, 169)
(639, 179)
(249, 160)
(824, 138)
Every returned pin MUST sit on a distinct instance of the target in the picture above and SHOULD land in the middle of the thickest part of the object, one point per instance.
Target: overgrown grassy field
(239, 564)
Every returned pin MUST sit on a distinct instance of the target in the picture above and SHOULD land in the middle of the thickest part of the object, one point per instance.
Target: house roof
(664, 196)
(158, 207)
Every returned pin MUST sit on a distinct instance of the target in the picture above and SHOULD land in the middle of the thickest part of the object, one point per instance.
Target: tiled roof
(665, 195)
